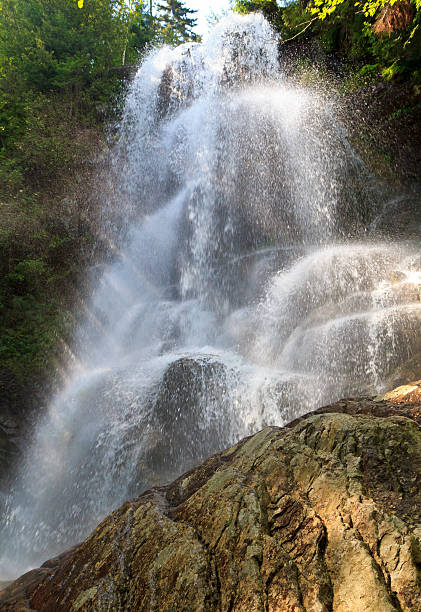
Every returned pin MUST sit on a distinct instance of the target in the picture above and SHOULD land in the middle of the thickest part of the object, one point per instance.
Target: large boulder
(320, 515)
(189, 419)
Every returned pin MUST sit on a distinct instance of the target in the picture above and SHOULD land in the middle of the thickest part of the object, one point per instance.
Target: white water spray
(245, 292)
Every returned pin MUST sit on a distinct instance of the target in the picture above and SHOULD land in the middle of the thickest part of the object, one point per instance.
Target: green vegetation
(379, 38)
(63, 69)
(176, 24)
(62, 79)
(368, 53)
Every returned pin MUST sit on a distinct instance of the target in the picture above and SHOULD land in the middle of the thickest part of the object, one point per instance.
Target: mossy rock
(320, 515)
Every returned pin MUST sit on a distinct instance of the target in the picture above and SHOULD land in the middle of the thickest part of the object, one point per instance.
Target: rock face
(322, 515)
(410, 370)
(9, 430)
(189, 418)
(405, 394)
(193, 391)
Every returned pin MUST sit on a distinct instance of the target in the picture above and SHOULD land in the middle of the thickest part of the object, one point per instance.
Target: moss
(41, 260)
(83, 598)
(288, 532)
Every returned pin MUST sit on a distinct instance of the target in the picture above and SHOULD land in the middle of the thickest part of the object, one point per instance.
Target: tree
(61, 47)
(270, 9)
(176, 23)
(323, 8)
(373, 38)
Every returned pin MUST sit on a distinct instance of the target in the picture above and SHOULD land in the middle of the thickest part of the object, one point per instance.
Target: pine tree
(176, 22)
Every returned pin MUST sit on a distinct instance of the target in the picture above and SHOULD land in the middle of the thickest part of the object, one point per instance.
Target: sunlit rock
(405, 394)
(321, 515)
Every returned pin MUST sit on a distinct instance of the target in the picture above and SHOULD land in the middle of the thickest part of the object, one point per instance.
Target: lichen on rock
(322, 515)
(405, 394)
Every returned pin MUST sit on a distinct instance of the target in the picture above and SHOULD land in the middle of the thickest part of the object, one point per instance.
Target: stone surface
(189, 419)
(321, 515)
(9, 431)
(405, 394)
(21, 403)
(409, 370)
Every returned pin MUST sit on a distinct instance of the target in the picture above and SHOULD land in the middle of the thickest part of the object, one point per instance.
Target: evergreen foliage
(51, 48)
(60, 83)
(380, 37)
(176, 22)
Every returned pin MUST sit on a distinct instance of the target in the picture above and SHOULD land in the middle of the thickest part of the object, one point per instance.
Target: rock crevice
(320, 516)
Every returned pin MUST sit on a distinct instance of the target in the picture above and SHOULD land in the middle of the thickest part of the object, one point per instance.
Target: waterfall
(247, 287)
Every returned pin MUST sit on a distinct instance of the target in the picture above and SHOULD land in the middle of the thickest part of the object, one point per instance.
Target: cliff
(320, 515)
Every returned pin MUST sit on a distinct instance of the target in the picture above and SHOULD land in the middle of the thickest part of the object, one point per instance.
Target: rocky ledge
(321, 515)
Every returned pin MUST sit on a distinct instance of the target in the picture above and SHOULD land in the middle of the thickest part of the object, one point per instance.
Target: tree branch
(303, 30)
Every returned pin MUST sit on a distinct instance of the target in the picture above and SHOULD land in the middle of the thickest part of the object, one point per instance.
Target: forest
(63, 79)
(210, 306)
(64, 69)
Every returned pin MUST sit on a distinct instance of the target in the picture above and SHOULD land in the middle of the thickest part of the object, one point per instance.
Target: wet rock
(9, 449)
(320, 515)
(383, 120)
(400, 217)
(409, 370)
(188, 419)
(405, 394)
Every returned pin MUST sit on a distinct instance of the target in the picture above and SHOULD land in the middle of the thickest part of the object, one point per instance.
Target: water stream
(248, 288)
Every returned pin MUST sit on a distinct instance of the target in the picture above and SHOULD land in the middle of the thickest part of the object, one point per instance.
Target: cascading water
(246, 290)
